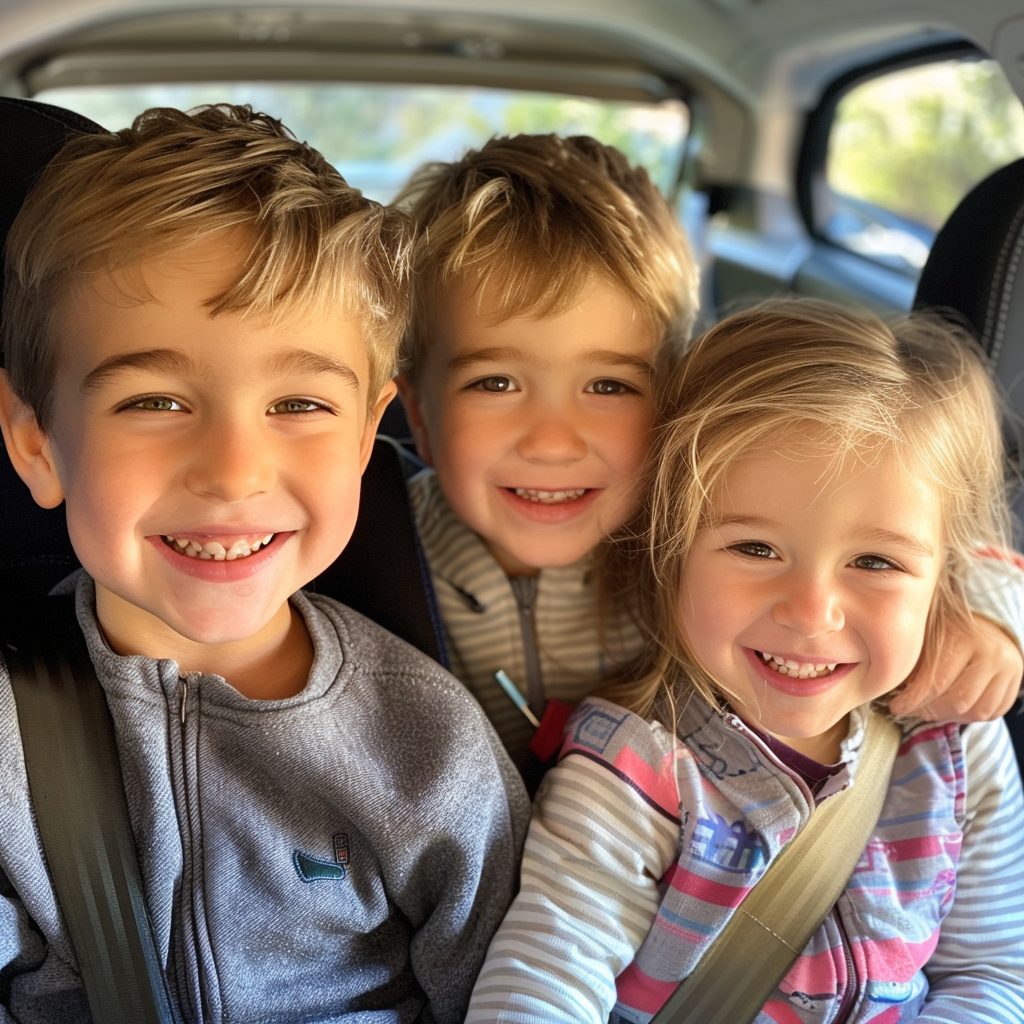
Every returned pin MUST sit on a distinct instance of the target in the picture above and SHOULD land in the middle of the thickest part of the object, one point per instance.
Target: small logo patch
(313, 869)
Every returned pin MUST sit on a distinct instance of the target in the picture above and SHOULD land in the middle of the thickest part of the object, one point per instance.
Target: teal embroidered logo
(313, 869)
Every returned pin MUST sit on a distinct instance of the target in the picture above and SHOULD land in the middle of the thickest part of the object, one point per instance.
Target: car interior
(844, 149)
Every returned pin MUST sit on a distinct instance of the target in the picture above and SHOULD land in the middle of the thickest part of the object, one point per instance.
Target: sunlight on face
(210, 465)
(537, 427)
(809, 594)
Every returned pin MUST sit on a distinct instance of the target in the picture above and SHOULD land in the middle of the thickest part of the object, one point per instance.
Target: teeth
(215, 551)
(549, 497)
(796, 669)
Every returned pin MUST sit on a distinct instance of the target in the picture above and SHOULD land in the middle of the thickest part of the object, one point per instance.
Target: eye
(496, 385)
(297, 407)
(875, 563)
(154, 403)
(610, 387)
(754, 548)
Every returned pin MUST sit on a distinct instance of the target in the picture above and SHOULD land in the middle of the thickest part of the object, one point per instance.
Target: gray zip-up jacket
(341, 855)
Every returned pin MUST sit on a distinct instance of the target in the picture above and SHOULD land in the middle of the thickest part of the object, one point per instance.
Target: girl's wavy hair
(534, 217)
(768, 378)
(109, 201)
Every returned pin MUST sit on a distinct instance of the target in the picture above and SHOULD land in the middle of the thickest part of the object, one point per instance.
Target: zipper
(525, 590)
(849, 1000)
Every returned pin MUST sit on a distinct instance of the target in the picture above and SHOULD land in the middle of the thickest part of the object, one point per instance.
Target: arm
(976, 674)
(456, 871)
(589, 893)
(977, 970)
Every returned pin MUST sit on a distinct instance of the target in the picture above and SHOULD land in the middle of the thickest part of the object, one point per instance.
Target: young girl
(818, 487)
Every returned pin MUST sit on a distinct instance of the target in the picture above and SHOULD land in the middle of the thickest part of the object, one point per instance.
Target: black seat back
(381, 573)
(975, 275)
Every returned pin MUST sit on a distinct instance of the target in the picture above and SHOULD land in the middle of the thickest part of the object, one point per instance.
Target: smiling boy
(200, 322)
(551, 279)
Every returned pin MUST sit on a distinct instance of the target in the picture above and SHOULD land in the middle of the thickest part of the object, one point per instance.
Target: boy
(551, 278)
(200, 321)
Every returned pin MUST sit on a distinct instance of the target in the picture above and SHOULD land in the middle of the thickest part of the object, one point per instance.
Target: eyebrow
(169, 360)
(156, 360)
(313, 364)
(881, 536)
(506, 353)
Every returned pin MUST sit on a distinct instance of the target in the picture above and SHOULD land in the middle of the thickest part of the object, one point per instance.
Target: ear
(372, 421)
(414, 414)
(28, 447)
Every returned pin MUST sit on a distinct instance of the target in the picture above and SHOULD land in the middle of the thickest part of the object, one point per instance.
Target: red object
(547, 740)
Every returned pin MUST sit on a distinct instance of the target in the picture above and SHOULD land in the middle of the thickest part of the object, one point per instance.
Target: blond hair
(109, 201)
(534, 218)
(917, 388)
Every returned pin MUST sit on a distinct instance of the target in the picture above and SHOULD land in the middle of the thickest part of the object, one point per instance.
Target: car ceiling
(743, 59)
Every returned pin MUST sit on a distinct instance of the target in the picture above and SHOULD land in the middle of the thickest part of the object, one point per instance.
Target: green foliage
(916, 141)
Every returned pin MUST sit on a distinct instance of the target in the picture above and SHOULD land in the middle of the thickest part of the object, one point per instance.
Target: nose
(231, 463)
(551, 436)
(809, 604)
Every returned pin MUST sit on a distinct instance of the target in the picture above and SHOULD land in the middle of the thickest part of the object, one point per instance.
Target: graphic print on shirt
(313, 869)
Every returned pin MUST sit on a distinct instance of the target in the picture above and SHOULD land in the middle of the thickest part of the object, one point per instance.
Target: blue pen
(515, 696)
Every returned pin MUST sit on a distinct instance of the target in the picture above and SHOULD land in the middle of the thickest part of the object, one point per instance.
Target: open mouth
(214, 551)
(797, 669)
(549, 497)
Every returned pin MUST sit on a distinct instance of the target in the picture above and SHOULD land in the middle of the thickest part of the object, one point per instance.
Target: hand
(974, 676)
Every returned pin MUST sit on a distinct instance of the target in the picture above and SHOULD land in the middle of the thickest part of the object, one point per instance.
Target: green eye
(291, 406)
(157, 403)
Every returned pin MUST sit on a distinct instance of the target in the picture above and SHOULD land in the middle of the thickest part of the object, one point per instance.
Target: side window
(905, 147)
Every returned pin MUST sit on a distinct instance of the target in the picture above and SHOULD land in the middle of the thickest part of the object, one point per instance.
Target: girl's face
(809, 593)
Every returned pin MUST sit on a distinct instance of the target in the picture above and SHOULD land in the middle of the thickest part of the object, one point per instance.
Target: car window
(377, 135)
(905, 147)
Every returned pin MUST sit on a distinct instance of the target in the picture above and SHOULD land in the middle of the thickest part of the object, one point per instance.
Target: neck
(272, 665)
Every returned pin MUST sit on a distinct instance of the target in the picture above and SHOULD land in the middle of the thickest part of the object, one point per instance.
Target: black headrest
(32, 134)
(974, 270)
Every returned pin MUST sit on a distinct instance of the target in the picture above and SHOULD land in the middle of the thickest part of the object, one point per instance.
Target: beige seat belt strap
(773, 924)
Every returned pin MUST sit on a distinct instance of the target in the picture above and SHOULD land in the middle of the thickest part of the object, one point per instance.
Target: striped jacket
(641, 848)
(485, 627)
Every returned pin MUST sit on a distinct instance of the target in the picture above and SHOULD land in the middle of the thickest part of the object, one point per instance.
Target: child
(200, 323)
(550, 278)
(818, 491)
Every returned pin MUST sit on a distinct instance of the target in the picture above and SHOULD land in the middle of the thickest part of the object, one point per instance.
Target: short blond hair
(109, 201)
(918, 388)
(533, 218)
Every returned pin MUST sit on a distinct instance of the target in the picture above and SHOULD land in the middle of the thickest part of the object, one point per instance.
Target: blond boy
(551, 278)
(200, 321)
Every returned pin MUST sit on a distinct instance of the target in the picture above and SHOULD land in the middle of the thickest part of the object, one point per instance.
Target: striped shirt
(485, 627)
(642, 845)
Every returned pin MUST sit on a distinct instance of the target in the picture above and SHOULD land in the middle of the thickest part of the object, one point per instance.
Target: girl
(817, 489)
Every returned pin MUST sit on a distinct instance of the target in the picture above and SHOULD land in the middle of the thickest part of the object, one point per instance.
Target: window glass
(907, 146)
(377, 135)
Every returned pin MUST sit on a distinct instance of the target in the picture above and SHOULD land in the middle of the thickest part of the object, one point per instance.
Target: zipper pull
(184, 698)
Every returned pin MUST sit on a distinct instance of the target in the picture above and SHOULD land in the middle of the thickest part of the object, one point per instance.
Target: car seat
(974, 275)
(381, 573)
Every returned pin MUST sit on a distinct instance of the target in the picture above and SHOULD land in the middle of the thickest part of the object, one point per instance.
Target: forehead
(854, 490)
(601, 318)
(165, 301)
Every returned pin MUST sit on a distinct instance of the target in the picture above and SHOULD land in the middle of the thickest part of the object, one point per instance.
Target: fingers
(975, 676)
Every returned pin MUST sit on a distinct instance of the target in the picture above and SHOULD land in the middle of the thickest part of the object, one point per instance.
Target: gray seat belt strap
(75, 781)
(773, 924)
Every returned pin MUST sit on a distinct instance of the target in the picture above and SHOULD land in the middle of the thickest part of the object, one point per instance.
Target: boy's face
(537, 427)
(174, 432)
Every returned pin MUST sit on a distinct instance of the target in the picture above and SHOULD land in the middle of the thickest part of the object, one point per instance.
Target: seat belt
(74, 778)
(772, 926)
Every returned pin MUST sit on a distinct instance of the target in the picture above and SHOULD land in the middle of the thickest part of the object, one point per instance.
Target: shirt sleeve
(976, 973)
(994, 586)
(589, 893)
